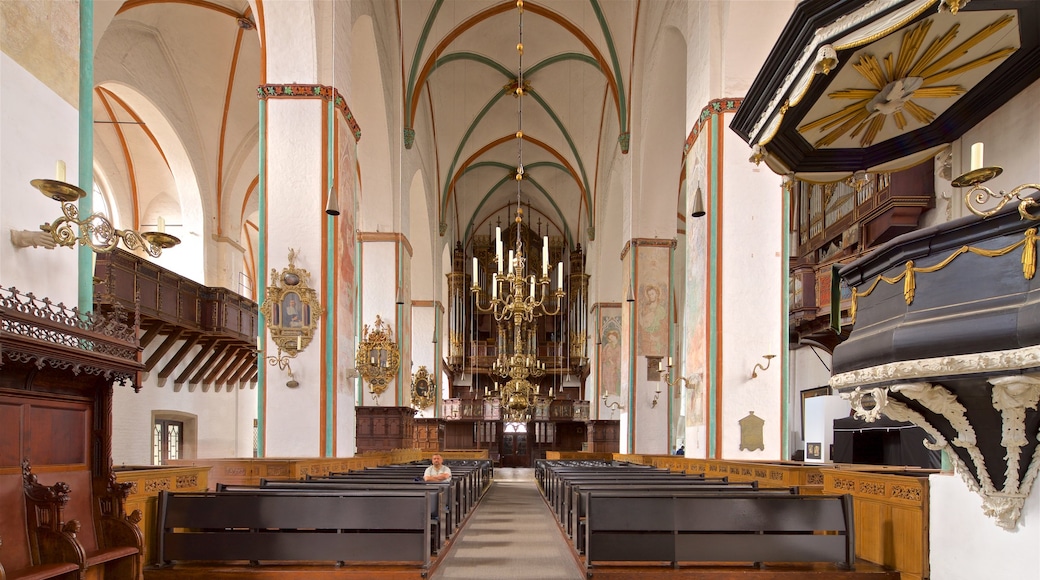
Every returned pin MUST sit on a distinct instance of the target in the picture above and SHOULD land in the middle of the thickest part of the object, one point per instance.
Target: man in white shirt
(437, 472)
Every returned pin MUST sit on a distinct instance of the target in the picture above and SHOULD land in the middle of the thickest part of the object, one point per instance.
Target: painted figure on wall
(653, 311)
(610, 357)
(293, 315)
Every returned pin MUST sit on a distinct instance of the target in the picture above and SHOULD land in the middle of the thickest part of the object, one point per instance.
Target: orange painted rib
(223, 132)
(126, 156)
(133, 115)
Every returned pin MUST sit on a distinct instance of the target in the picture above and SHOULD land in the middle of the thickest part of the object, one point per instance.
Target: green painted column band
(330, 286)
(85, 177)
(713, 282)
(359, 256)
(437, 361)
(671, 347)
(785, 323)
(261, 242)
(630, 421)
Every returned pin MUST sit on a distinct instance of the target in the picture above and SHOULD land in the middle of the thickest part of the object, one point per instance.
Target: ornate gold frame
(424, 390)
(291, 308)
(378, 358)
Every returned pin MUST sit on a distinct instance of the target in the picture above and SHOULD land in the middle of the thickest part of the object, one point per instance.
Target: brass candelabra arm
(282, 361)
(95, 231)
(978, 194)
(613, 405)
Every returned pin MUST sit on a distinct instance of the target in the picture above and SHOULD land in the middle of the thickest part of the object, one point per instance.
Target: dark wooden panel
(58, 435)
(10, 433)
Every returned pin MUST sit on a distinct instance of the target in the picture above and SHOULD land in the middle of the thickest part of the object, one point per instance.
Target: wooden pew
(689, 527)
(439, 528)
(578, 513)
(336, 526)
(563, 486)
(94, 512)
(466, 484)
(24, 553)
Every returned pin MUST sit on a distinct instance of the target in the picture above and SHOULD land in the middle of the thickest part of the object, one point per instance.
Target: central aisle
(511, 535)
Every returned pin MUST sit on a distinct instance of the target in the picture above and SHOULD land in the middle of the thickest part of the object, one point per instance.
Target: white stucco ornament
(1011, 395)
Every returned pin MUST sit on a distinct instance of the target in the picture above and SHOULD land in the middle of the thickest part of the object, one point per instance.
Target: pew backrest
(729, 527)
(390, 526)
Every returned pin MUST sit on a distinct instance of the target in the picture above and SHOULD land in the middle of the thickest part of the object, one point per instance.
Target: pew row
(337, 527)
(690, 527)
(438, 500)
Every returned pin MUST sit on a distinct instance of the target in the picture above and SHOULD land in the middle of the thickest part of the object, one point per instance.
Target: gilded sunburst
(898, 79)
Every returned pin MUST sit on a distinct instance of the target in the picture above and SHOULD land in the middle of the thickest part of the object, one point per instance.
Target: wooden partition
(145, 485)
(579, 455)
(891, 510)
(890, 503)
(250, 470)
(780, 474)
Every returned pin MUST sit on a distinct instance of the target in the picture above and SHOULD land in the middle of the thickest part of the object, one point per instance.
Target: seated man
(437, 472)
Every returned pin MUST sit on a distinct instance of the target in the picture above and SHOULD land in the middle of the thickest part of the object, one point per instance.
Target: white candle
(162, 225)
(976, 156)
(559, 275)
(510, 262)
(498, 254)
(545, 256)
(299, 343)
(532, 286)
(259, 343)
(474, 269)
(550, 391)
(660, 367)
(59, 171)
(494, 283)
(669, 361)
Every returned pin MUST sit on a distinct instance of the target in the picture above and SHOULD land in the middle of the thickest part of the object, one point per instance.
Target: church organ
(483, 350)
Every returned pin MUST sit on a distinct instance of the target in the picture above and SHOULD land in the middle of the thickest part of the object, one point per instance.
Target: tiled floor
(512, 535)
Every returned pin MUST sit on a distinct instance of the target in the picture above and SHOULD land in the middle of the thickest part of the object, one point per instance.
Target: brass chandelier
(515, 296)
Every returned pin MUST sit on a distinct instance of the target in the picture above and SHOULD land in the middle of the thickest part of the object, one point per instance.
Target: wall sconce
(291, 308)
(281, 361)
(613, 406)
(378, 358)
(980, 194)
(95, 231)
(758, 366)
(671, 383)
(698, 203)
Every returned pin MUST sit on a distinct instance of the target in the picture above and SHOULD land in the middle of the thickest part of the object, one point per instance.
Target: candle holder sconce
(424, 390)
(291, 308)
(378, 357)
(979, 195)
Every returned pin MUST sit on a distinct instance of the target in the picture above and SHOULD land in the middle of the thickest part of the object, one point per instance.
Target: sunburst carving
(898, 79)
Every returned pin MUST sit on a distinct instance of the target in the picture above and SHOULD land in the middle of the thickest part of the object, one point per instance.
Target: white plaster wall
(423, 352)
(295, 219)
(378, 283)
(805, 372)
(380, 186)
(753, 280)
(224, 417)
(1011, 140)
(39, 128)
(965, 544)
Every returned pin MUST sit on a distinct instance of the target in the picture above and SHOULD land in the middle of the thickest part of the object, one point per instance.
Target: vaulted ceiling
(190, 69)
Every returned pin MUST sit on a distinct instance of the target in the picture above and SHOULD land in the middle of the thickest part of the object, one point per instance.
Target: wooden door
(515, 451)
